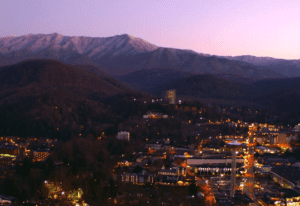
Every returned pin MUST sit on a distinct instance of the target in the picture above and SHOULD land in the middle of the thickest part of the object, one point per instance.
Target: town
(175, 153)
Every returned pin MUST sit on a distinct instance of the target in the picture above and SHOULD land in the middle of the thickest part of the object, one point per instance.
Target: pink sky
(219, 27)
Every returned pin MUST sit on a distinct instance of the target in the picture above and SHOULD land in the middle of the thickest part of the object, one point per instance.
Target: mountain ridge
(121, 54)
(289, 68)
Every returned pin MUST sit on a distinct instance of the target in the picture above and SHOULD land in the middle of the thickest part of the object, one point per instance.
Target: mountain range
(123, 54)
(48, 97)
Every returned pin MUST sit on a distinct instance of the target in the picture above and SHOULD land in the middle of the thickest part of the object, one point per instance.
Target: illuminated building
(214, 169)
(154, 115)
(7, 150)
(297, 128)
(134, 178)
(170, 96)
(40, 155)
(287, 197)
(201, 161)
(124, 136)
(233, 145)
(168, 172)
(6, 200)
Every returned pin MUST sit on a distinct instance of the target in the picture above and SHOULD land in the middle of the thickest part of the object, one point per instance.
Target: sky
(218, 27)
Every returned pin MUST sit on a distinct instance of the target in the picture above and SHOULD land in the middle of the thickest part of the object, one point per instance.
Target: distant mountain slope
(148, 78)
(50, 99)
(289, 68)
(100, 73)
(49, 72)
(206, 87)
(282, 94)
(119, 55)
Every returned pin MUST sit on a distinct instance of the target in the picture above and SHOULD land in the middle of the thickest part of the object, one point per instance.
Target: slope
(50, 99)
(206, 87)
(280, 94)
(289, 68)
(283, 93)
(148, 78)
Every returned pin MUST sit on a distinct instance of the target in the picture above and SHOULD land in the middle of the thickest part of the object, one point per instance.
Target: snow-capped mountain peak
(83, 45)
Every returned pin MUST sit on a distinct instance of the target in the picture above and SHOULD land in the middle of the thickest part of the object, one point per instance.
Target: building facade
(124, 135)
(170, 96)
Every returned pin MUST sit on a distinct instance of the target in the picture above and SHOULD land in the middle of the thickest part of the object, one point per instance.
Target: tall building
(233, 146)
(170, 96)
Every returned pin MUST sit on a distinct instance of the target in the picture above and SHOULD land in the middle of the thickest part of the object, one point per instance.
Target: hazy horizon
(223, 28)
